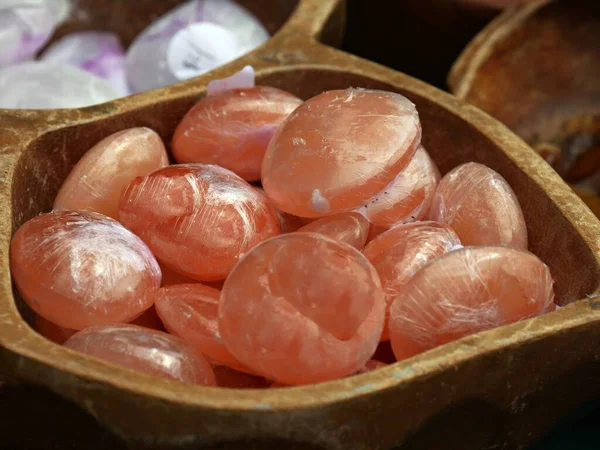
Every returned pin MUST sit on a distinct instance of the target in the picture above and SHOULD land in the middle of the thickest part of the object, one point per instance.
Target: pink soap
(233, 128)
(339, 149)
(152, 352)
(408, 197)
(480, 206)
(467, 291)
(190, 311)
(198, 219)
(400, 252)
(351, 228)
(99, 178)
(272, 316)
(78, 269)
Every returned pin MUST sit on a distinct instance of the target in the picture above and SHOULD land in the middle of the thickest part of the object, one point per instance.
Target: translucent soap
(408, 197)
(26, 26)
(193, 38)
(152, 352)
(339, 149)
(480, 206)
(190, 311)
(48, 85)
(198, 219)
(302, 308)
(102, 174)
(400, 252)
(233, 128)
(99, 53)
(466, 291)
(79, 269)
(351, 228)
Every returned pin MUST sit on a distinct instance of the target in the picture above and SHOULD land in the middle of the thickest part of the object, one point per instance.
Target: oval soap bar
(102, 174)
(480, 206)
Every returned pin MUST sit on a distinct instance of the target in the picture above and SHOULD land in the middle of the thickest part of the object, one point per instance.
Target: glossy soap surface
(198, 219)
(79, 269)
(400, 252)
(190, 311)
(153, 352)
(273, 316)
(338, 149)
(466, 291)
(99, 178)
(480, 206)
(408, 197)
(233, 128)
(351, 228)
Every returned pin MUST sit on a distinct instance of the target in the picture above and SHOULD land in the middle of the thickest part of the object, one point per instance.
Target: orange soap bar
(466, 291)
(153, 352)
(99, 178)
(274, 318)
(408, 197)
(338, 149)
(79, 269)
(351, 228)
(401, 251)
(480, 206)
(198, 219)
(233, 128)
(190, 311)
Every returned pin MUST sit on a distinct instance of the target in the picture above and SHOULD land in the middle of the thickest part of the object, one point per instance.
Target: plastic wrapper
(480, 206)
(100, 54)
(153, 352)
(26, 25)
(467, 291)
(198, 219)
(194, 38)
(79, 269)
(408, 197)
(400, 252)
(44, 85)
(102, 174)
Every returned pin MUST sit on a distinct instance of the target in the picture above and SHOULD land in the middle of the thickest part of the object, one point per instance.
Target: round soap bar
(400, 252)
(233, 128)
(193, 38)
(408, 196)
(466, 291)
(338, 149)
(480, 206)
(370, 366)
(190, 311)
(153, 352)
(79, 269)
(99, 178)
(351, 228)
(48, 85)
(98, 53)
(302, 308)
(27, 25)
(198, 219)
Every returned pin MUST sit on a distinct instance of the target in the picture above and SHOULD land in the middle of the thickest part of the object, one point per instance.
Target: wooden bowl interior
(451, 141)
(128, 18)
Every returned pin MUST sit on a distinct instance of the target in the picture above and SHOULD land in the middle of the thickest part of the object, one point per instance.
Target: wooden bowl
(501, 388)
(536, 68)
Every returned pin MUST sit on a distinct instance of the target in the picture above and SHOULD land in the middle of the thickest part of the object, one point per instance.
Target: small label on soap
(200, 47)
